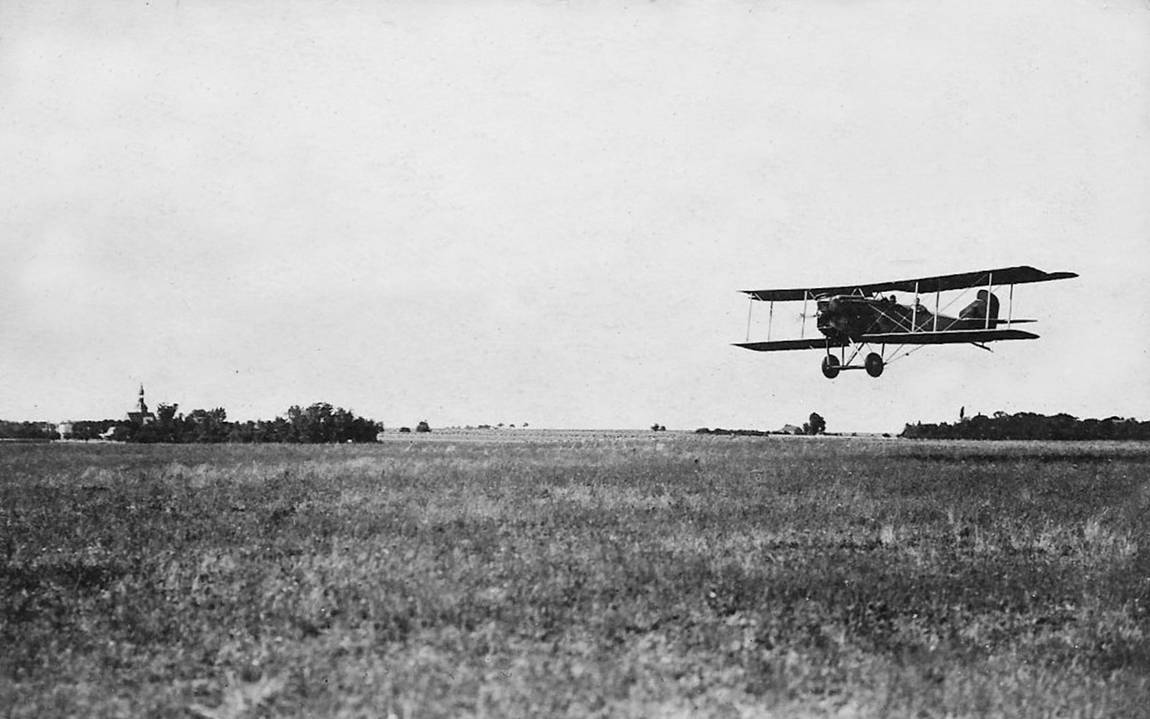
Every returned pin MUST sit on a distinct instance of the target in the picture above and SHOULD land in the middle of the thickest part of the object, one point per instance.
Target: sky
(542, 212)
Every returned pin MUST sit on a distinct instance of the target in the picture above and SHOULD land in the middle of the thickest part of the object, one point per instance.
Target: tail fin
(976, 312)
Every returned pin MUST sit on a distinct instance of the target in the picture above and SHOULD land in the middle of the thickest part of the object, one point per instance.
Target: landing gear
(830, 366)
(873, 364)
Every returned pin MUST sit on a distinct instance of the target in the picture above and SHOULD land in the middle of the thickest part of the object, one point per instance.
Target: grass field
(575, 575)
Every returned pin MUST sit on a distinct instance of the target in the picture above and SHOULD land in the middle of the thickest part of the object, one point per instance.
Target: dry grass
(611, 575)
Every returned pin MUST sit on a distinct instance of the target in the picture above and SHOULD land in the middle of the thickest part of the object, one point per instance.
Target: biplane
(851, 318)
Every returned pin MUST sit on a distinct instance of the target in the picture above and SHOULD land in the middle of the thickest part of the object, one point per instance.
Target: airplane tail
(975, 314)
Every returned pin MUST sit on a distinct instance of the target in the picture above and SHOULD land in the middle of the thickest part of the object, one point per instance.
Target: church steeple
(141, 415)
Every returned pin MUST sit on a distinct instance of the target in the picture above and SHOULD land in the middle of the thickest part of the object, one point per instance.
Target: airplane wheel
(830, 366)
(874, 364)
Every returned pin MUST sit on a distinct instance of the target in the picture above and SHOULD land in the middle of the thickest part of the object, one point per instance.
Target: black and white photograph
(548, 358)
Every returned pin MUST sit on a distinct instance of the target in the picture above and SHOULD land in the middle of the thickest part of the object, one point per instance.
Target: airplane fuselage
(849, 317)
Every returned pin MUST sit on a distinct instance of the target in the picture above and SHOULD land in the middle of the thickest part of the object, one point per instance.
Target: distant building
(64, 429)
(141, 415)
(791, 429)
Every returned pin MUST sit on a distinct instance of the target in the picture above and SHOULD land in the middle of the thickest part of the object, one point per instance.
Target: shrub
(816, 424)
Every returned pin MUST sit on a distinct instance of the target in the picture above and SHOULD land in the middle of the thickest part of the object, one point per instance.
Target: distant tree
(274, 430)
(242, 432)
(206, 426)
(166, 412)
(405, 430)
(168, 426)
(322, 423)
(123, 431)
(319, 423)
(423, 426)
(816, 424)
(142, 433)
(658, 427)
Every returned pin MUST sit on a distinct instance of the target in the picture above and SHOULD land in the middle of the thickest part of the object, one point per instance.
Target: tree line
(26, 430)
(315, 424)
(1028, 425)
(318, 423)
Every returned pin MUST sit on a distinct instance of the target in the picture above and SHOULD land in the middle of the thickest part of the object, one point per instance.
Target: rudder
(975, 313)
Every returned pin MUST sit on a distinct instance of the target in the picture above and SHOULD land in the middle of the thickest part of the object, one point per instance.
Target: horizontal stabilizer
(810, 343)
(947, 337)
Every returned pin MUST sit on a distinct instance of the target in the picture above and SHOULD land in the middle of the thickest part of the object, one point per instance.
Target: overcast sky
(481, 212)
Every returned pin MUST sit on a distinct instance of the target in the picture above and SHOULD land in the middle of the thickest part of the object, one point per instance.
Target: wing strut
(803, 327)
(989, 289)
(914, 310)
(750, 308)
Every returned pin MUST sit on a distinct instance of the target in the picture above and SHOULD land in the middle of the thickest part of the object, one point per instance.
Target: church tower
(141, 415)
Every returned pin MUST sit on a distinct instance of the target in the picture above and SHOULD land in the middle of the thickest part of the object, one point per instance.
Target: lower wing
(943, 337)
(811, 343)
(947, 337)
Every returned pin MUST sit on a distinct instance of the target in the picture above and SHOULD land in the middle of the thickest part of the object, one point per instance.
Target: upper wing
(947, 337)
(940, 283)
(810, 343)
